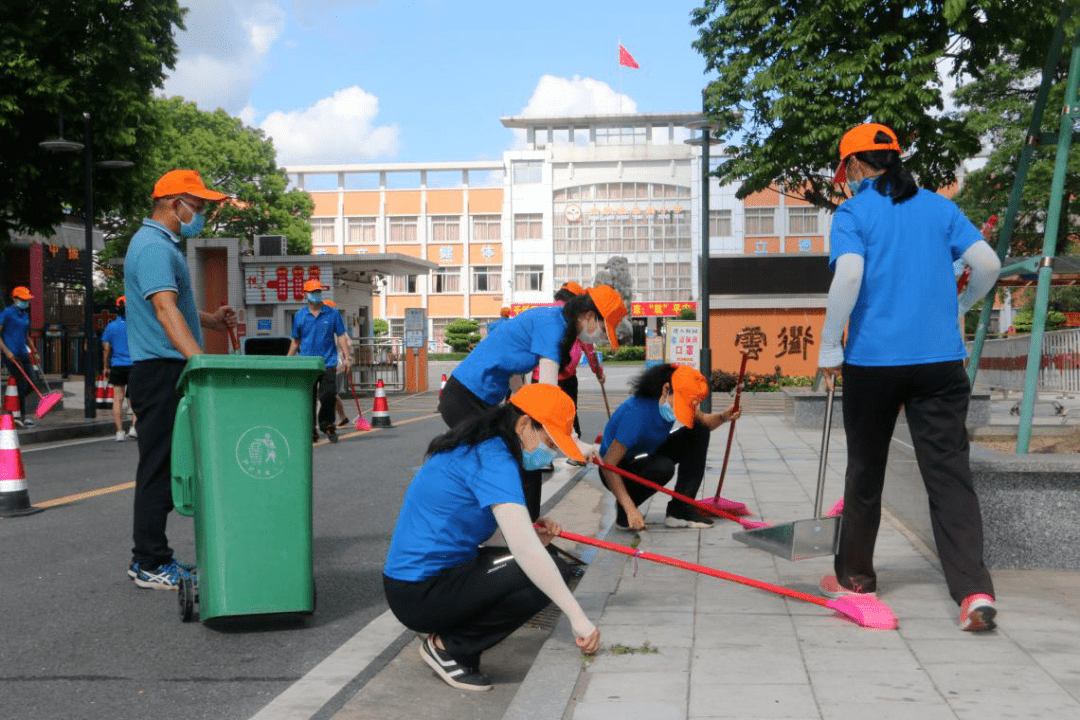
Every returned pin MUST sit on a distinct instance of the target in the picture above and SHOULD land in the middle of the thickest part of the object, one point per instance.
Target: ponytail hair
(574, 308)
(896, 181)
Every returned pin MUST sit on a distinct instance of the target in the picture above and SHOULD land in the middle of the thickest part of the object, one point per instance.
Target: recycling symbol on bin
(262, 452)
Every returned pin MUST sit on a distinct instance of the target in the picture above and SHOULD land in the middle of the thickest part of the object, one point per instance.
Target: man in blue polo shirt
(14, 327)
(163, 332)
(318, 331)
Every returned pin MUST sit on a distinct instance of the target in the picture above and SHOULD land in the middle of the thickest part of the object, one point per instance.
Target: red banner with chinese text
(660, 309)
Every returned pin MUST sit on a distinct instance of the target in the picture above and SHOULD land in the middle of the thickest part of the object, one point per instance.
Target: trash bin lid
(200, 365)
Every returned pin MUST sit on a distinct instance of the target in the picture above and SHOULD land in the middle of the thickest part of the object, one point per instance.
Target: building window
(438, 333)
(802, 221)
(620, 136)
(402, 229)
(446, 280)
(487, 278)
(322, 231)
(486, 227)
(445, 228)
(397, 327)
(403, 284)
(760, 221)
(529, 277)
(528, 227)
(720, 223)
(530, 171)
(361, 231)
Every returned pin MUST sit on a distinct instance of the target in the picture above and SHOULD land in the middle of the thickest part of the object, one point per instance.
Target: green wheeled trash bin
(241, 465)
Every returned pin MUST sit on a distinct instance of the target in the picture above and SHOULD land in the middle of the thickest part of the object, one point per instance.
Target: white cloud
(562, 97)
(247, 115)
(337, 129)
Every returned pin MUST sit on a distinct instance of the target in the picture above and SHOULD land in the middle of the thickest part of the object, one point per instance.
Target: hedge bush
(628, 352)
(755, 382)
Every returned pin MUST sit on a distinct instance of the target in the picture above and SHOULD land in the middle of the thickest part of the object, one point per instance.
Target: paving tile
(747, 664)
(624, 710)
(630, 687)
(889, 711)
(659, 636)
(723, 700)
(663, 658)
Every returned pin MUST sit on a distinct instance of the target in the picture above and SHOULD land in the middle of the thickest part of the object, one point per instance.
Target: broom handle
(694, 567)
(731, 430)
(678, 496)
(19, 365)
(233, 337)
(353, 388)
(824, 461)
(606, 406)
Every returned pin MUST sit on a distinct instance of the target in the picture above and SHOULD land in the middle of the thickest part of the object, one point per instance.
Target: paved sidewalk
(698, 647)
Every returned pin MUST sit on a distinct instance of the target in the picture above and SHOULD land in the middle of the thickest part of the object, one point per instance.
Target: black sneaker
(450, 670)
(688, 518)
(331, 433)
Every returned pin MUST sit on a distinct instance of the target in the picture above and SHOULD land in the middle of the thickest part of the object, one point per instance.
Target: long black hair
(496, 421)
(897, 181)
(572, 310)
(650, 384)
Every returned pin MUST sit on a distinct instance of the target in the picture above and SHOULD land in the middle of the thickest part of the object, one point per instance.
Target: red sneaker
(831, 588)
(977, 613)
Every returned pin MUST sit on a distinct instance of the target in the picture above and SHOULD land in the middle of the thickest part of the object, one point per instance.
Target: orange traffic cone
(110, 393)
(14, 497)
(99, 392)
(11, 399)
(380, 413)
(442, 384)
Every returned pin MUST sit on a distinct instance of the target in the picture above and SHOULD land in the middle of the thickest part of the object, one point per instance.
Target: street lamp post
(90, 356)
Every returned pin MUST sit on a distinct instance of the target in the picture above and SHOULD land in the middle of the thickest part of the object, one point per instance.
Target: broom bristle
(866, 610)
(838, 508)
(753, 524)
(733, 507)
(362, 424)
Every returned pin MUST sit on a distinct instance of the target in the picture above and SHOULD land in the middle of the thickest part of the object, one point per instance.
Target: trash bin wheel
(186, 598)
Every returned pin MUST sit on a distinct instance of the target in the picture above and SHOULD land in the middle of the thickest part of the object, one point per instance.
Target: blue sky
(335, 81)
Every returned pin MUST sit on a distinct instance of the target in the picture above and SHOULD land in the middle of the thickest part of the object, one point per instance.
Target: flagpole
(618, 62)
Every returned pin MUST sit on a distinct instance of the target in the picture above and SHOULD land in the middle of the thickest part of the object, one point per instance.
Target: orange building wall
(434, 250)
(325, 204)
(485, 305)
(351, 249)
(763, 198)
(410, 249)
(726, 325)
(362, 203)
(817, 243)
(485, 201)
(476, 256)
(445, 202)
(402, 202)
(446, 305)
(397, 304)
(750, 244)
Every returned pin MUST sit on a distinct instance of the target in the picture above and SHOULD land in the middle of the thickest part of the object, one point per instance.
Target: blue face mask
(667, 412)
(195, 226)
(314, 298)
(541, 457)
(854, 188)
(22, 304)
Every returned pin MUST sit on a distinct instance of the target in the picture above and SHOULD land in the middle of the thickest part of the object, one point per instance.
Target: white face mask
(594, 337)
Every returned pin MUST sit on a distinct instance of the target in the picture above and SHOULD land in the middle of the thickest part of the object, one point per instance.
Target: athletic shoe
(452, 673)
(132, 433)
(831, 588)
(120, 436)
(688, 518)
(166, 576)
(977, 613)
(331, 433)
(344, 422)
(29, 422)
(133, 570)
(19, 423)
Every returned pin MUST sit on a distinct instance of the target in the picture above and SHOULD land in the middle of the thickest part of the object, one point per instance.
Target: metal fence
(1004, 362)
(379, 358)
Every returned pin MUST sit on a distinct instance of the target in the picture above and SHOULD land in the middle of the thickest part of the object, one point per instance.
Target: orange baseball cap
(329, 303)
(552, 408)
(688, 389)
(21, 293)
(184, 182)
(314, 285)
(860, 139)
(121, 300)
(505, 312)
(611, 306)
(574, 288)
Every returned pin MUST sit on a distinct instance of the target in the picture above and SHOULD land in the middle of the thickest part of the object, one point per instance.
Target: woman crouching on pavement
(437, 578)
(639, 439)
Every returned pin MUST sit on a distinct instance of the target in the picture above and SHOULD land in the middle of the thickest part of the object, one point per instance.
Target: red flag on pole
(627, 59)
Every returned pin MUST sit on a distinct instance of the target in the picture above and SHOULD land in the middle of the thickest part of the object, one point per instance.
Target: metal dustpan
(802, 539)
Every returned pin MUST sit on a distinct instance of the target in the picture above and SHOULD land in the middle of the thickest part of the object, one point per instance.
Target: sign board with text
(415, 326)
(270, 284)
(682, 344)
(660, 309)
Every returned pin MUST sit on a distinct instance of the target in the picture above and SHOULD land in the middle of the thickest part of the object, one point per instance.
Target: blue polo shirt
(637, 424)
(447, 509)
(116, 335)
(316, 334)
(16, 324)
(155, 263)
(517, 348)
(907, 311)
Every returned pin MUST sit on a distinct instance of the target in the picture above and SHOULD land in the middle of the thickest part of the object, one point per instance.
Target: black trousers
(935, 400)
(456, 405)
(472, 606)
(152, 390)
(687, 448)
(569, 385)
(21, 361)
(325, 393)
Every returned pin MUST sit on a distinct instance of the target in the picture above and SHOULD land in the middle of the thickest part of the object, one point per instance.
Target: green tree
(69, 57)
(688, 314)
(1023, 321)
(793, 75)
(379, 327)
(462, 334)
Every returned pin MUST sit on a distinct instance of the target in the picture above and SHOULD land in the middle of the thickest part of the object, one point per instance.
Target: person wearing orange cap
(341, 381)
(14, 329)
(118, 367)
(164, 330)
(439, 580)
(639, 438)
(318, 331)
(504, 314)
(892, 249)
(537, 338)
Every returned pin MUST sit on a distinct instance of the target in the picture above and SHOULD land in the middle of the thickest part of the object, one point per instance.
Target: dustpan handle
(823, 463)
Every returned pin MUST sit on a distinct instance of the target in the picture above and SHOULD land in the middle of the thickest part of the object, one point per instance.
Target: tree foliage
(615, 272)
(462, 334)
(793, 75)
(69, 57)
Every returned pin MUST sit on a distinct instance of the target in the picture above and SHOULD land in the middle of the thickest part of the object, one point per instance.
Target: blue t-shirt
(16, 324)
(116, 335)
(907, 311)
(637, 424)
(155, 263)
(521, 342)
(316, 334)
(447, 509)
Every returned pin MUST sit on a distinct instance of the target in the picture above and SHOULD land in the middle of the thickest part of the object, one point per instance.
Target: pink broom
(736, 508)
(361, 423)
(712, 510)
(866, 610)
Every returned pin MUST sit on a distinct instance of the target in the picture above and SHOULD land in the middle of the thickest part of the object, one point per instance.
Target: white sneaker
(132, 433)
(119, 436)
(29, 422)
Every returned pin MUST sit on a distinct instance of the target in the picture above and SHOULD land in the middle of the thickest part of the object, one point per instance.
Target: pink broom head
(866, 610)
(838, 508)
(47, 403)
(733, 507)
(753, 524)
(362, 424)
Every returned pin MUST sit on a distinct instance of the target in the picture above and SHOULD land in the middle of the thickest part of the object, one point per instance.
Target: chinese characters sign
(791, 340)
(683, 343)
(752, 340)
(660, 309)
(268, 284)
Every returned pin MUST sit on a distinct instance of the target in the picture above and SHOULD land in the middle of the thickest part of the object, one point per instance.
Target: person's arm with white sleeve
(843, 293)
(985, 267)
(525, 544)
